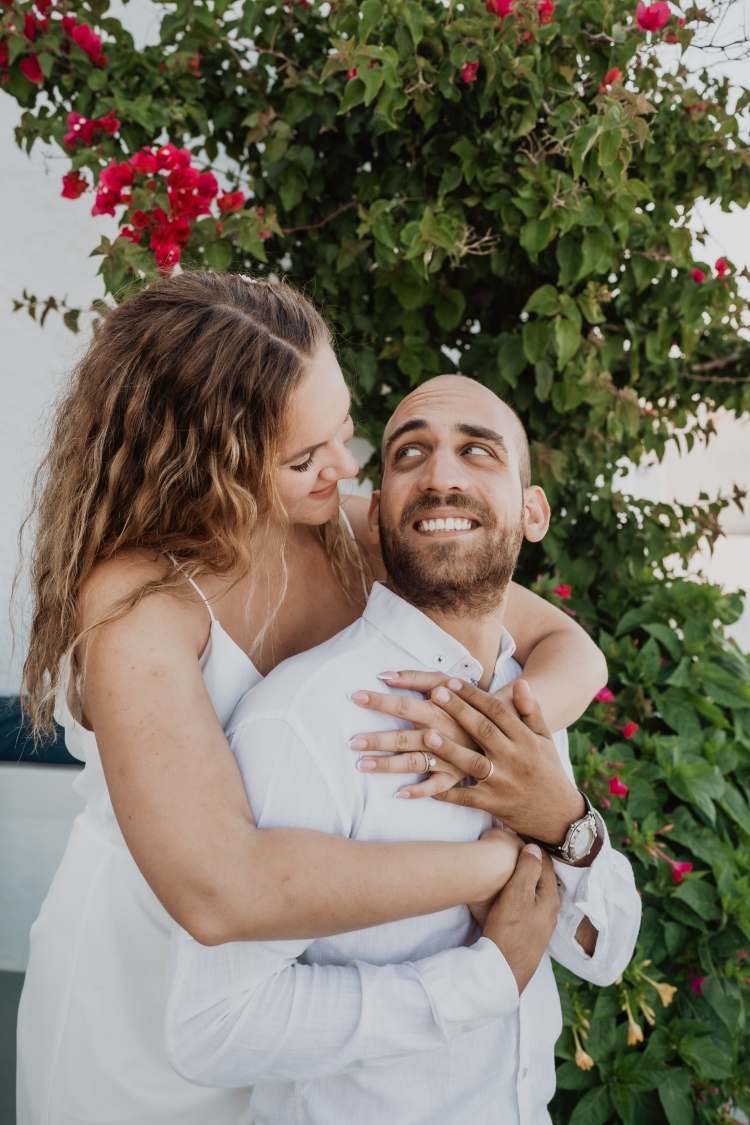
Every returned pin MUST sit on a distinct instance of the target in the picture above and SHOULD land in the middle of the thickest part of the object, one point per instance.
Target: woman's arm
(181, 805)
(561, 664)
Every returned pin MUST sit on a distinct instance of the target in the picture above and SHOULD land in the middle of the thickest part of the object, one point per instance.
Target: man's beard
(452, 576)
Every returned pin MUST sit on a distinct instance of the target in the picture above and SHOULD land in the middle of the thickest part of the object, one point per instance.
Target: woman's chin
(316, 510)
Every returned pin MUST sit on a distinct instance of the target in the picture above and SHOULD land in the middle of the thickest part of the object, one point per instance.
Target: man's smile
(445, 525)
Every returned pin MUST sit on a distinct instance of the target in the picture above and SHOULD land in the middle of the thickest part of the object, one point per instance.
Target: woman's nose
(345, 465)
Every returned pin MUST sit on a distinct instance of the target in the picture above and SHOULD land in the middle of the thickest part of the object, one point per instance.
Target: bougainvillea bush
(504, 189)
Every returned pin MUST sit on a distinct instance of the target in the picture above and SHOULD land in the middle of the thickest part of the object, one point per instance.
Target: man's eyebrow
(404, 428)
(482, 433)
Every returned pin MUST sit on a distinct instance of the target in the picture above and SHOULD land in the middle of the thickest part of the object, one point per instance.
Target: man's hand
(506, 848)
(524, 915)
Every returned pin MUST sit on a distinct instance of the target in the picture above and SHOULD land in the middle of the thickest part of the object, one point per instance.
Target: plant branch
(322, 223)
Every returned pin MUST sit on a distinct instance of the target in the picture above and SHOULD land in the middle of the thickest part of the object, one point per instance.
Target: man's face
(452, 511)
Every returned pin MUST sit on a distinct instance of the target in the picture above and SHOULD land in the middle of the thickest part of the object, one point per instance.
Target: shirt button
(439, 659)
(524, 1072)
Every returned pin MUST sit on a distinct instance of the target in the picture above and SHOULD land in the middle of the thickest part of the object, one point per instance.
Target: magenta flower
(617, 788)
(698, 275)
(696, 983)
(653, 17)
(469, 72)
(629, 729)
(564, 591)
(604, 696)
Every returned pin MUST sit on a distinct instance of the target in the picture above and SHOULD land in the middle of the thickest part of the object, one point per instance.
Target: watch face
(581, 841)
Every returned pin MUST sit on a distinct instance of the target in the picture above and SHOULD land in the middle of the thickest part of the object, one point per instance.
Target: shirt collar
(419, 636)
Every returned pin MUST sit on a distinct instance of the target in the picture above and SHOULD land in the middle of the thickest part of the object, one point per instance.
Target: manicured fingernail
(434, 739)
(359, 697)
(366, 765)
(357, 744)
(455, 685)
(441, 695)
(402, 793)
(389, 677)
(534, 849)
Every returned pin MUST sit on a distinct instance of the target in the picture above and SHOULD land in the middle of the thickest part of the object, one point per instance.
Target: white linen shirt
(414, 1022)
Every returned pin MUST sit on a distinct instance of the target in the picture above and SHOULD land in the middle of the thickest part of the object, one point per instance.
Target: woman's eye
(304, 466)
(476, 450)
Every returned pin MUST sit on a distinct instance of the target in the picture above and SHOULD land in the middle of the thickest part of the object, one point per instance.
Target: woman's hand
(507, 847)
(414, 751)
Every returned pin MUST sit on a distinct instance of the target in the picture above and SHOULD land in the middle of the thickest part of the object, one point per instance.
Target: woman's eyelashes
(302, 468)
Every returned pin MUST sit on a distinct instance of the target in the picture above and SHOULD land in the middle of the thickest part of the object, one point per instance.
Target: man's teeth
(450, 524)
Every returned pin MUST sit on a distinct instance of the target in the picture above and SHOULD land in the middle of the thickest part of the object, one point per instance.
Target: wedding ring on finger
(429, 762)
(489, 773)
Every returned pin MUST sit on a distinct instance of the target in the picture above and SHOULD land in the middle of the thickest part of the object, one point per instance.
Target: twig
(717, 364)
(322, 223)
(715, 378)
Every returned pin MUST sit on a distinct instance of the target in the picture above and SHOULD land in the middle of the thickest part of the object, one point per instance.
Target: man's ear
(536, 513)
(373, 518)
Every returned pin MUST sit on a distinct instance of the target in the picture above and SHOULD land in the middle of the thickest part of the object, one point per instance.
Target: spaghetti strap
(207, 603)
(350, 529)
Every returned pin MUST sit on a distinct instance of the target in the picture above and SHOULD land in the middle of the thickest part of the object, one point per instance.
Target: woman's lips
(325, 493)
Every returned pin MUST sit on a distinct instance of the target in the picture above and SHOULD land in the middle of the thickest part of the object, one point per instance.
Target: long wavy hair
(166, 440)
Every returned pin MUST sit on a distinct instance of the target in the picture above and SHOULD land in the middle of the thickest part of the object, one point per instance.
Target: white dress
(91, 1018)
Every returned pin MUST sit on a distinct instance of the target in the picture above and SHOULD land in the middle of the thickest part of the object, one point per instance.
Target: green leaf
(596, 248)
(218, 256)
(449, 308)
(584, 141)
(449, 181)
(676, 1100)
(543, 377)
(594, 1108)
(544, 300)
(535, 235)
(700, 897)
(511, 358)
(292, 186)
(354, 94)
(371, 14)
(568, 340)
(414, 16)
(535, 335)
(666, 637)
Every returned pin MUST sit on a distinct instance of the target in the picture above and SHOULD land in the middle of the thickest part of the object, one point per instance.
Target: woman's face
(314, 456)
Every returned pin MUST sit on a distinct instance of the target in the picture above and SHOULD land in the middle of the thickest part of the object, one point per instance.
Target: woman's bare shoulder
(357, 509)
(113, 581)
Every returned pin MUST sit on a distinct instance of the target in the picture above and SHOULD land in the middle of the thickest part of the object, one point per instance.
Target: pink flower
(351, 74)
(230, 201)
(469, 72)
(698, 275)
(115, 177)
(721, 267)
(613, 75)
(140, 220)
(108, 123)
(43, 6)
(29, 27)
(169, 158)
(617, 788)
(500, 8)
(144, 162)
(604, 695)
(89, 42)
(696, 983)
(128, 232)
(166, 255)
(31, 68)
(678, 869)
(629, 729)
(654, 17)
(546, 10)
(68, 24)
(84, 129)
(564, 591)
(74, 184)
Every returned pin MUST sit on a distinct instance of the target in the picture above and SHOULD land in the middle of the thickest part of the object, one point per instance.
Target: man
(415, 1021)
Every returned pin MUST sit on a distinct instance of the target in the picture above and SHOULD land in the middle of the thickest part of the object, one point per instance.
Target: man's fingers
(529, 709)
(459, 795)
(490, 728)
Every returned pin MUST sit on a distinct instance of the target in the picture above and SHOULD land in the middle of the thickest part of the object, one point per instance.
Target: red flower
(654, 17)
(115, 177)
(698, 275)
(108, 123)
(140, 220)
(617, 788)
(721, 267)
(43, 6)
(167, 255)
(79, 129)
(546, 10)
(89, 42)
(128, 232)
(68, 24)
(469, 72)
(351, 74)
(144, 162)
(230, 201)
(613, 75)
(678, 870)
(604, 696)
(564, 591)
(74, 184)
(3, 56)
(696, 983)
(264, 235)
(29, 27)
(629, 729)
(500, 8)
(31, 68)
(169, 157)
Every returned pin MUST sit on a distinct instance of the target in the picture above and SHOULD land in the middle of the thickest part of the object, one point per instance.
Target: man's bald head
(457, 393)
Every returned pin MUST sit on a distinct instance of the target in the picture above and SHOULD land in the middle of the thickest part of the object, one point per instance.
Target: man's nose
(443, 472)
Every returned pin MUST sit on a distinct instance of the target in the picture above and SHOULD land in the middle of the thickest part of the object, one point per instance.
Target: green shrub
(469, 190)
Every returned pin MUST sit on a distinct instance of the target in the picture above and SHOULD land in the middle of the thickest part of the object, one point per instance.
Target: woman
(189, 537)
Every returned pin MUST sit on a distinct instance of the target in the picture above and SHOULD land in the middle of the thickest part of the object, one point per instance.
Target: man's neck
(480, 636)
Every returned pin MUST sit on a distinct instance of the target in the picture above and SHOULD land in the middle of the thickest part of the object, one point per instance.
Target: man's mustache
(424, 504)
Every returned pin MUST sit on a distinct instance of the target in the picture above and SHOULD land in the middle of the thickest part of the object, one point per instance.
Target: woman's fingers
(420, 712)
(414, 681)
(433, 786)
(407, 754)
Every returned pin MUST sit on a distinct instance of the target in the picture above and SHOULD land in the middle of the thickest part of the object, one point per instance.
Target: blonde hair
(166, 440)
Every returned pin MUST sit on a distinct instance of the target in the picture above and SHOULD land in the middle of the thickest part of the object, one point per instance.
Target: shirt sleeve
(246, 1012)
(606, 894)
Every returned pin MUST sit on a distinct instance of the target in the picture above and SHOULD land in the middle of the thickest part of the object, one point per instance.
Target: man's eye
(476, 450)
(408, 451)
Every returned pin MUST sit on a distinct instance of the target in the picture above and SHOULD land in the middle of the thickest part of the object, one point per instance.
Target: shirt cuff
(583, 889)
(468, 987)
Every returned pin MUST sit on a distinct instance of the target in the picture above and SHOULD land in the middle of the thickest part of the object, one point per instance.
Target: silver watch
(579, 839)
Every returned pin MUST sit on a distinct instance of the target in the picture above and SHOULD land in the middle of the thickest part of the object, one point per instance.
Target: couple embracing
(352, 912)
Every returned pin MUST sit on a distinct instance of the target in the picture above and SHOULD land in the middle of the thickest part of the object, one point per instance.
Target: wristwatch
(579, 839)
